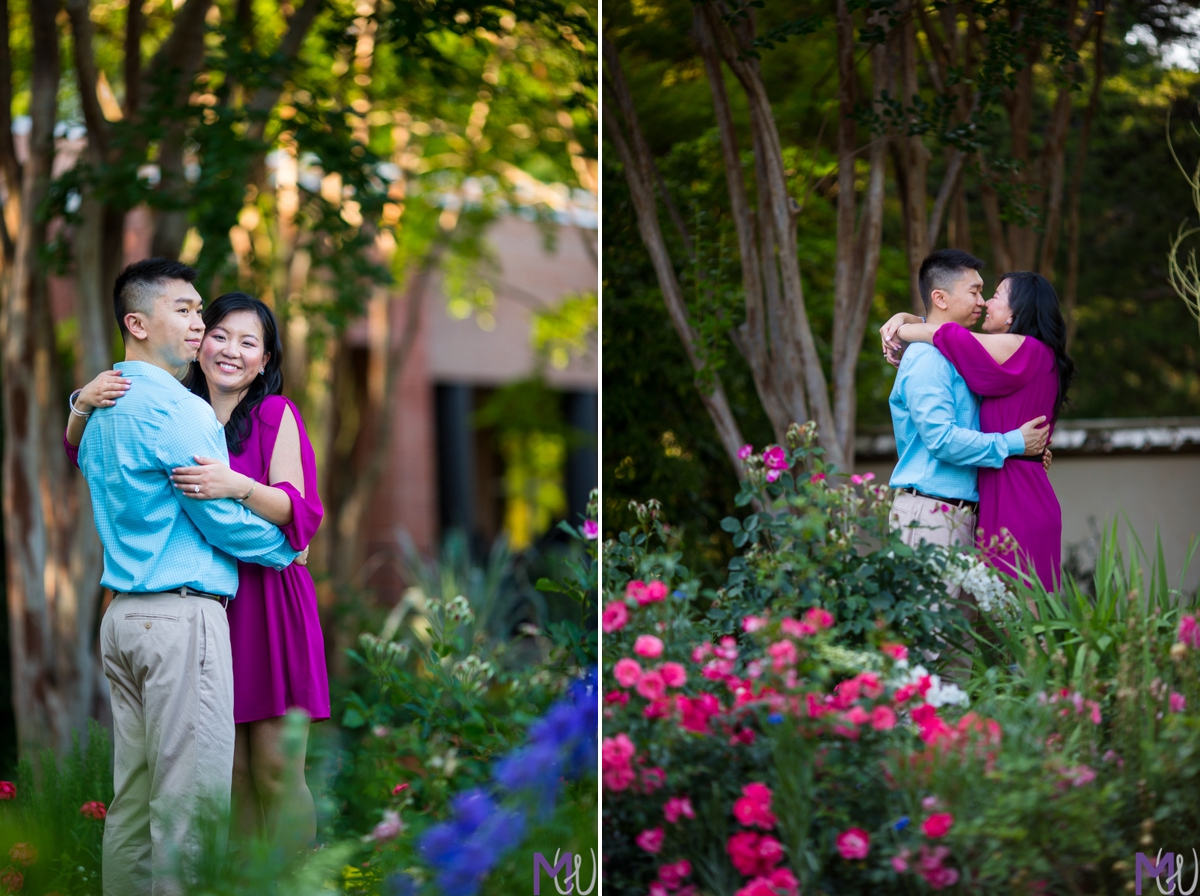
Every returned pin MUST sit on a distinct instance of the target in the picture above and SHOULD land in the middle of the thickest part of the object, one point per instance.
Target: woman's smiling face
(232, 353)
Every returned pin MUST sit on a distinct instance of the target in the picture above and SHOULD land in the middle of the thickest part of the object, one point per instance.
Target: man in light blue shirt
(171, 565)
(936, 418)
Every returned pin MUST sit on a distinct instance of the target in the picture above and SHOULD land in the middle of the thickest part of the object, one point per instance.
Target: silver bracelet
(71, 405)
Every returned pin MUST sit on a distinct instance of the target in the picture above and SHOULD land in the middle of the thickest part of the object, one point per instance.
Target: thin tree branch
(135, 25)
(86, 76)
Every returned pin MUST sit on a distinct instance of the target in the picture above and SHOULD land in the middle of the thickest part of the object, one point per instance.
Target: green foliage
(45, 814)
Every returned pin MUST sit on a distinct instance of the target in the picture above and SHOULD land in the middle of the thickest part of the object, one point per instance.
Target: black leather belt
(184, 591)
(953, 502)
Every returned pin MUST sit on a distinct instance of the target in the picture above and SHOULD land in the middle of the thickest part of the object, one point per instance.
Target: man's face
(962, 303)
(173, 328)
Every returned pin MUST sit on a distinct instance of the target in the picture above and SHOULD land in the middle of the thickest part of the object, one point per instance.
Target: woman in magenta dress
(274, 628)
(1019, 366)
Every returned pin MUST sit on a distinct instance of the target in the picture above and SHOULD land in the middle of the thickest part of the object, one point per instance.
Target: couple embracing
(204, 492)
(973, 413)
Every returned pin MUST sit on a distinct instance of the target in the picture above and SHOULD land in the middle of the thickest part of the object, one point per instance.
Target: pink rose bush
(774, 731)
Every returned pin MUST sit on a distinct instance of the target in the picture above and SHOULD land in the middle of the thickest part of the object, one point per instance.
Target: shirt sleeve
(224, 523)
(930, 399)
(984, 375)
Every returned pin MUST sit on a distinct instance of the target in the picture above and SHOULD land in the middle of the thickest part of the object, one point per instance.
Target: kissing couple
(974, 412)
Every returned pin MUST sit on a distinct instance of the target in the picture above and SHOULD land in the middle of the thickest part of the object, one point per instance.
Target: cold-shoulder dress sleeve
(306, 509)
(984, 375)
(72, 451)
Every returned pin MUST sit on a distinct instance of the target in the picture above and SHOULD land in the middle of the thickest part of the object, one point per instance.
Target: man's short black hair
(941, 270)
(141, 283)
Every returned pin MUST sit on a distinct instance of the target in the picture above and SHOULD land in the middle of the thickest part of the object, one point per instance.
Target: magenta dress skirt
(1018, 497)
(274, 626)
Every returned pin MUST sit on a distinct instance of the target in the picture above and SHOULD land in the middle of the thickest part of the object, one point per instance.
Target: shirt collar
(150, 372)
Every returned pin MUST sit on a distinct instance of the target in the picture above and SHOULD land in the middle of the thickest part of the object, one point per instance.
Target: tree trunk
(52, 554)
(636, 161)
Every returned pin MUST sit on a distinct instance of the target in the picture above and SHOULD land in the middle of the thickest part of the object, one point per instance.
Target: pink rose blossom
(937, 825)
(745, 451)
(701, 652)
(819, 616)
(774, 458)
(621, 697)
(883, 718)
(817, 477)
(656, 591)
(673, 875)
(727, 649)
(753, 623)
(591, 530)
(636, 590)
(900, 860)
(616, 754)
(648, 646)
(1178, 702)
(8, 790)
(653, 779)
(797, 629)
(760, 886)
(753, 809)
(615, 615)
(695, 712)
(678, 807)
(1189, 631)
(650, 839)
(93, 809)
(895, 651)
(659, 708)
(783, 879)
(651, 685)
(389, 829)
(857, 716)
(856, 479)
(657, 888)
(783, 655)
(673, 674)
(627, 671)
(754, 854)
(854, 843)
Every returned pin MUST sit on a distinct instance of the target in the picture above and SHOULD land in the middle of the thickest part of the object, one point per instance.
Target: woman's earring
(264, 370)
(1009, 321)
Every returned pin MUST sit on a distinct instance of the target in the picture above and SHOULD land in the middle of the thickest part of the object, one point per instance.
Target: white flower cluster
(981, 582)
(458, 609)
(940, 693)
(473, 672)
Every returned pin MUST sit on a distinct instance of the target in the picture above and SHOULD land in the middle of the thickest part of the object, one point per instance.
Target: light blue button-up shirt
(936, 421)
(154, 538)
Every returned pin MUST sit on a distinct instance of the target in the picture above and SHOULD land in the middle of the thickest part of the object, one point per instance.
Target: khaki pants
(170, 667)
(950, 528)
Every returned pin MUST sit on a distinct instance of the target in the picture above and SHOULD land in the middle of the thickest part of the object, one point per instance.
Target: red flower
(895, 651)
(760, 886)
(659, 708)
(774, 458)
(8, 790)
(621, 697)
(1189, 631)
(399, 789)
(937, 825)
(11, 879)
(93, 809)
(651, 839)
(854, 843)
(754, 807)
(23, 854)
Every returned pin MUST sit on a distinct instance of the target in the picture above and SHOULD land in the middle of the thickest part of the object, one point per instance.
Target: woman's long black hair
(1035, 313)
(269, 383)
